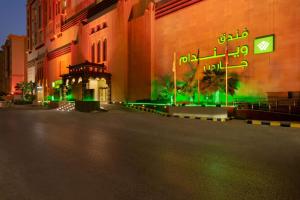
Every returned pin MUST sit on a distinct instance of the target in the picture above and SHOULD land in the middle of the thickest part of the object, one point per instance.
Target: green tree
(27, 90)
(166, 88)
(214, 81)
(22, 86)
(31, 87)
(190, 81)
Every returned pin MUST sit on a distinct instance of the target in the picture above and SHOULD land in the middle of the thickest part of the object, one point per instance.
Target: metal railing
(282, 105)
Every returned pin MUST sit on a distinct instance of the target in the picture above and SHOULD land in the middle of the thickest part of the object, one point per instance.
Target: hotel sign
(224, 39)
(264, 44)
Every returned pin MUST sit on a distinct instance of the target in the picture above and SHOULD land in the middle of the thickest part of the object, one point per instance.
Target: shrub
(22, 102)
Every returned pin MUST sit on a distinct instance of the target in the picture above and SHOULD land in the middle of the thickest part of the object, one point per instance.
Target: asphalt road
(125, 155)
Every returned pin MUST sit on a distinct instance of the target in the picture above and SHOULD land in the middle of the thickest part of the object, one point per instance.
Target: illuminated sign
(264, 44)
(244, 50)
(221, 66)
(230, 37)
(223, 39)
(56, 84)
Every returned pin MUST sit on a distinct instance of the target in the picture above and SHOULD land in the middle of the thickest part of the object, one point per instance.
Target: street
(126, 155)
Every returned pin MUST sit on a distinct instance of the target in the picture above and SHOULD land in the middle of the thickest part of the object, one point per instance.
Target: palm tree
(166, 88)
(31, 87)
(27, 89)
(22, 86)
(214, 81)
(191, 81)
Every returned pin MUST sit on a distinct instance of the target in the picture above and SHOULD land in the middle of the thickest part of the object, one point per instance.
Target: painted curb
(143, 109)
(274, 123)
(202, 118)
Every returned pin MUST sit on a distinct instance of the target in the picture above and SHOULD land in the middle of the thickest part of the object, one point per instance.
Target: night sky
(12, 18)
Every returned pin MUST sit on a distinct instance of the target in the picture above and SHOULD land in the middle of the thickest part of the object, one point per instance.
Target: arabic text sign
(223, 39)
(190, 58)
(231, 37)
(221, 66)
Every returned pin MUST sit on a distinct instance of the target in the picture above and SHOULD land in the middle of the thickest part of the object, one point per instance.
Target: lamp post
(226, 72)
(174, 71)
(198, 75)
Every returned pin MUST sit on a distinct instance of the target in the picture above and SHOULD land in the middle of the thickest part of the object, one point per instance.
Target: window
(92, 30)
(64, 3)
(104, 50)
(40, 16)
(64, 6)
(58, 7)
(50, 10)
(98, 52)
(98, 28)
(45, 10)
(93, 53)
(57, 10)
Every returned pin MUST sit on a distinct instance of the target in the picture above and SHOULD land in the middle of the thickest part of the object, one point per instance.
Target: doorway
(103, 91)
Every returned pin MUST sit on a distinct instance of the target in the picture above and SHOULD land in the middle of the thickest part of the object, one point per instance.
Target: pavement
(24, 107)
(127, 155)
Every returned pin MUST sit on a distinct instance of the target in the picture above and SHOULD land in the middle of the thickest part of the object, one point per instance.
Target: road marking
(275, 123)
(295, 125)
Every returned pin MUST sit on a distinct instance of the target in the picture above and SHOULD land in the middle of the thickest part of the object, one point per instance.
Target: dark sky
(12, 18)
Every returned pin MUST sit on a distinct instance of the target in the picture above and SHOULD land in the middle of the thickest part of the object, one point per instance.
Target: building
(14, 67)
(115, 50)
(2, 82)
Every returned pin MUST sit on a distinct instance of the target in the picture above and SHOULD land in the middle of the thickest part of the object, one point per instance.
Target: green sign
(239, 51)
(264, 44)
(56, 84)
(230, 37)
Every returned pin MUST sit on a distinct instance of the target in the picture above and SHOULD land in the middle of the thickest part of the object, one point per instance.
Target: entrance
(92, 81)
(103, 95)
(103, 91)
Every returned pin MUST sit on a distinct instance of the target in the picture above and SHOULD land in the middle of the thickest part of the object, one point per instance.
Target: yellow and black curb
(143, 109)
(274, 123)
(202, 118)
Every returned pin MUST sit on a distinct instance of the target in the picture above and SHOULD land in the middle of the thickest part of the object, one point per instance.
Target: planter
(198, 111)
(87, 106)
(53, 104)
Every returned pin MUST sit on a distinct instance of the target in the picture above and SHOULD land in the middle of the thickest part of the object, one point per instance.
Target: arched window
(93, 53)
(104, 50)
(98, 52)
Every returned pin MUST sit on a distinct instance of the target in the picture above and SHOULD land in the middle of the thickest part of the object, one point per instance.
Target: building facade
(117, 49)
(2, 70)
(14, 68)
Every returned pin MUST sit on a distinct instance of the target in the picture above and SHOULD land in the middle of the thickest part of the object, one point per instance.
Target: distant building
(2, 82)
(14, 68)
(117, 49)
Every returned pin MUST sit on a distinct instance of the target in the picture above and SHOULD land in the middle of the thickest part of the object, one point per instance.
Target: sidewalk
(24, 107)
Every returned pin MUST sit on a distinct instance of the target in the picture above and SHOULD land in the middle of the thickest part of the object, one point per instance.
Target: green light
(231, 37)
(264, 44)
(56, 84)
(156, 104)
(70, 97)
(88, 98)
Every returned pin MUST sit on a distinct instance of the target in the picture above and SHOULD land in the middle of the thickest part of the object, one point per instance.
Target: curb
(274, 123)
(202, 118)
(143, 109)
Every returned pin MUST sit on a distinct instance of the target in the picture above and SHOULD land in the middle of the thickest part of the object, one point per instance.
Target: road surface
(125, 155)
